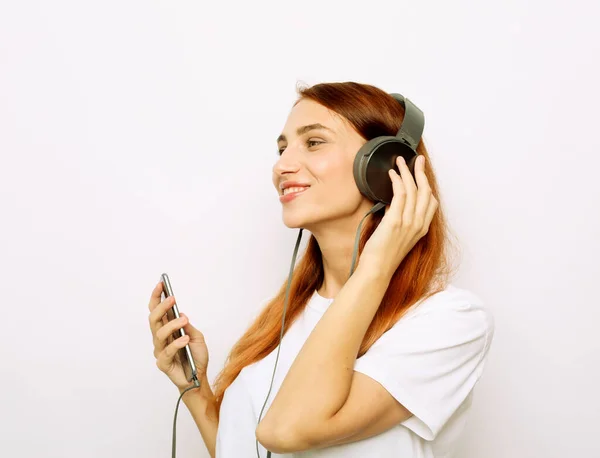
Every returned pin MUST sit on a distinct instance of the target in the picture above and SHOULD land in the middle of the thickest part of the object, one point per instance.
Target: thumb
(189, 329)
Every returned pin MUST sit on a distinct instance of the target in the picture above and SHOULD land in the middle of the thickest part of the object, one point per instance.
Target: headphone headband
(413, 123)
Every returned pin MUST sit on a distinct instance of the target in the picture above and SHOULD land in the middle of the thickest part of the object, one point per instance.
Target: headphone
(379, 154)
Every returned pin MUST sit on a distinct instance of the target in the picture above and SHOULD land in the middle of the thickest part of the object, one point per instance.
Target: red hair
(424, 271)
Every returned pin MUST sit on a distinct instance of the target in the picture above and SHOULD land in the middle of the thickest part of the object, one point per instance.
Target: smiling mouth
(294, 189)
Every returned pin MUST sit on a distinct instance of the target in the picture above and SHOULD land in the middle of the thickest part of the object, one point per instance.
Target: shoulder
(454, 320)
(453, 304)
(431, 358)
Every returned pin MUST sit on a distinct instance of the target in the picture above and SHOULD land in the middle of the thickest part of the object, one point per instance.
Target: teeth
(288, 190)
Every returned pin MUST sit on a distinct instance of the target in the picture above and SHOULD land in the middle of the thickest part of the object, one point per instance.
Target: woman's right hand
(166, 350)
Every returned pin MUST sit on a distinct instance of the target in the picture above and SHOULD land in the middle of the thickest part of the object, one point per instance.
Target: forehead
(307, 112)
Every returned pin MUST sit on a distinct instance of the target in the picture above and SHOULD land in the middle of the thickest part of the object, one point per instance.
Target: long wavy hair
(426, 269)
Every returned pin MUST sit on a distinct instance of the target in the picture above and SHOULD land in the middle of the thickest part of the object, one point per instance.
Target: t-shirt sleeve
(430, 362)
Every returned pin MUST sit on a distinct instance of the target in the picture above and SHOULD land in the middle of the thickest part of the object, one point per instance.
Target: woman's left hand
(406, 220)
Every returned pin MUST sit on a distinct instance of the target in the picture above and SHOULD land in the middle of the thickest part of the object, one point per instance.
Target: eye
(310, 144)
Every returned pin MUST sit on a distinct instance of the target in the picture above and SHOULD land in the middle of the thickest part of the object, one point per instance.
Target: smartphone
(184, 354)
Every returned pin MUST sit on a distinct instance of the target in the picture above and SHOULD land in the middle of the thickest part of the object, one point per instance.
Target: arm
(302, 417)
(203, 409)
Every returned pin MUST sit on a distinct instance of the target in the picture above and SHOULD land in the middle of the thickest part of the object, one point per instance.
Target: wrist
(194, 396)
(374, 273)
(201, 392)
(195, 400)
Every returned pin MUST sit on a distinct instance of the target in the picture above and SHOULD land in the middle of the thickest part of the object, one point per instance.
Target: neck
(336, 241)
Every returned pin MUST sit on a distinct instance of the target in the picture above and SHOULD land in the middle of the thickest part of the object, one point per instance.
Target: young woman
(380, 363)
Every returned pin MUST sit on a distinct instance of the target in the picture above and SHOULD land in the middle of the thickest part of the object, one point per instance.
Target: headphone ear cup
(360, 167)
(372, 163)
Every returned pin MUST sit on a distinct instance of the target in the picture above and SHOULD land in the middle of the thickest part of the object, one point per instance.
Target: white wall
(137, 137)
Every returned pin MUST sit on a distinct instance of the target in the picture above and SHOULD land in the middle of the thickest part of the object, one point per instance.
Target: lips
(291, 184)
(297, 189)
(291, 192)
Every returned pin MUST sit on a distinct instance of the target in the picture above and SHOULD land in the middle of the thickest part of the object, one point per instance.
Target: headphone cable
(194, 386)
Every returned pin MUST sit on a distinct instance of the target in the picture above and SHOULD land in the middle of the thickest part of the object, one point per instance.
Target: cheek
(336, 178)
(332, 170)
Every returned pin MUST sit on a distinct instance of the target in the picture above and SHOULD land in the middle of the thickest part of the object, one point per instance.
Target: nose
(287, 163)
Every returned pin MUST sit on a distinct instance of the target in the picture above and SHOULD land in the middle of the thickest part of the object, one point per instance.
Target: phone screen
(184, 355)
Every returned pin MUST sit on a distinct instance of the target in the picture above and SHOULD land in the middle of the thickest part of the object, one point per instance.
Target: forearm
(318, 382)
(202, 407)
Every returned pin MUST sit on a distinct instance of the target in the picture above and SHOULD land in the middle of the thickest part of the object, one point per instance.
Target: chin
(307, 220)
(295, 221)
(296, 218)
(310, 217)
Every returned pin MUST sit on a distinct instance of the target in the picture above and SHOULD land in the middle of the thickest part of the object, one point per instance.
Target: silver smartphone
(184, 354)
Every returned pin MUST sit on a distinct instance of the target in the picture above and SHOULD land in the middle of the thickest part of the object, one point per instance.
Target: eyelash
(308, 141)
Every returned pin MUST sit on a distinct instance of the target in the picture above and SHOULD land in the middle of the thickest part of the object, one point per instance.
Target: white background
(137, 137)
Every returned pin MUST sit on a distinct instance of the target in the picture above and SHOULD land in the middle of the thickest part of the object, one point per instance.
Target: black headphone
(379, 154)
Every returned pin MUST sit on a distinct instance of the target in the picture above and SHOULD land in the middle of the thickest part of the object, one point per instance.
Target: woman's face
(317, 149)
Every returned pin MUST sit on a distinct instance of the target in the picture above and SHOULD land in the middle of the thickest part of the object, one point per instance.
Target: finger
(169, 353)
(165, 360)
(156, 316)
(166, 331)
(411, 191)
(195, 334)
(397, 204)
(420, 177)
(171, 327)
(155, 296)
(407, 177)
(424, 195)
(188, 328)
(431, 209)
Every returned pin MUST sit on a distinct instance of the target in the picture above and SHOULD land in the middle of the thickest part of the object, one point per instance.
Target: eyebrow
(304, 129)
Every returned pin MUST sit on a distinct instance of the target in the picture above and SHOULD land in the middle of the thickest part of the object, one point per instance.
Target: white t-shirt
(430, 360)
